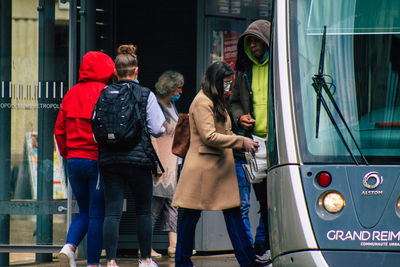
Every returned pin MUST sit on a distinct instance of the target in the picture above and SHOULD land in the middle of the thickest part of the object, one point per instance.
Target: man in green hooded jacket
(249, 102)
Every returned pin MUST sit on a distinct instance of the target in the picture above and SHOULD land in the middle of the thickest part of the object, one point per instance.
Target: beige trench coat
(208, 178)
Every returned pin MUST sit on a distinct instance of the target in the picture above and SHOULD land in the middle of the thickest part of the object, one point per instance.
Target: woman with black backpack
(132, 164)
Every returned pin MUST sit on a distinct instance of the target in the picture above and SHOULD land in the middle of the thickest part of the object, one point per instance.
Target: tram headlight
(333, 202)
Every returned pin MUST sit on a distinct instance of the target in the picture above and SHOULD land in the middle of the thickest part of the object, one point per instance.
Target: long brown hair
(126, 60)
(212, 85)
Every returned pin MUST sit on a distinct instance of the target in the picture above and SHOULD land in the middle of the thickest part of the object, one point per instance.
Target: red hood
(96, 66)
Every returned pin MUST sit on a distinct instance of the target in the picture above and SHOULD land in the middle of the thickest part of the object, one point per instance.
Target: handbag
(180, 144)
(256, 168)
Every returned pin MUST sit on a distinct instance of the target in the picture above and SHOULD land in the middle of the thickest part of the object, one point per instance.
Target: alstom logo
(371, 181)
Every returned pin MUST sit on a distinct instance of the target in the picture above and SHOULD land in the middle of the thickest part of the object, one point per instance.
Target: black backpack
(116, 119)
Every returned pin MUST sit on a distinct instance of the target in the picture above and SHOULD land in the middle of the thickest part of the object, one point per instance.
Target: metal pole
(87, 43)
(90, 25)
(87, 27)
(5, 119)
(82, 27)
(46, 119)
(72, 78)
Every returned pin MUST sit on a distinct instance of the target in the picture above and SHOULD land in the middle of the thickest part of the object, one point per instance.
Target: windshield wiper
(319, 84)
(319, 76)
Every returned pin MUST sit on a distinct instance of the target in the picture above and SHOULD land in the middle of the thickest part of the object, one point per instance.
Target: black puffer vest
(141, 155)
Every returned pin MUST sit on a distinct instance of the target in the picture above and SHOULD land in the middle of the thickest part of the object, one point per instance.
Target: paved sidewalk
(223, 260)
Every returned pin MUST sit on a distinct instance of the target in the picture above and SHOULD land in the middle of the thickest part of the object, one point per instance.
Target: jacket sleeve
(235, 101)
(155, 116)
(61, 133)
(203, 118)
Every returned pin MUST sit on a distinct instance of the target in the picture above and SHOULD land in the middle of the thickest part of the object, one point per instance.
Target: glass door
(33, 81)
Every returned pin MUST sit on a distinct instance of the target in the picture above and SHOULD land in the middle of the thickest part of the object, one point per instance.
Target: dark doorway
(165, 35)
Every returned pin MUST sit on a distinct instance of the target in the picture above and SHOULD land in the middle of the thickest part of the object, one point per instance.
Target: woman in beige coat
(208, 179)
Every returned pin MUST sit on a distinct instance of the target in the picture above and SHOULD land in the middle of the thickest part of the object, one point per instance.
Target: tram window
(353, 17)
(362, 71)
(377, 69)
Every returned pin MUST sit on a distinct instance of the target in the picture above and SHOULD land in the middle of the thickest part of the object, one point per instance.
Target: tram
(334, 153)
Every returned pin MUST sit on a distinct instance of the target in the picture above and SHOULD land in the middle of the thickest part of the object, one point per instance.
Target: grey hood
(259, 28)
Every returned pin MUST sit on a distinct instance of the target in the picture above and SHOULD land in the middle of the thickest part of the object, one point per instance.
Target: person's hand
(247, 121)
(250, 145)
(157, 173)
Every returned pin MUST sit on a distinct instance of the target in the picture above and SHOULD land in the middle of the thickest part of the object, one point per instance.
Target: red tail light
(324, 178)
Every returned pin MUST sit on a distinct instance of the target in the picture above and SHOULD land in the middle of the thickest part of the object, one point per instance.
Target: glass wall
(33, 81)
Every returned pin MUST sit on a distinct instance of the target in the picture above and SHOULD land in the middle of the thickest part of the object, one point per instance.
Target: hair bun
(127, 49)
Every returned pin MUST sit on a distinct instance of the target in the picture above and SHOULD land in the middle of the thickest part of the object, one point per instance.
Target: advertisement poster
(59, 184)
(224, 46)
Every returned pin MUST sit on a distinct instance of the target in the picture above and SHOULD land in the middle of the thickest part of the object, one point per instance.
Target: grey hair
(168, 82)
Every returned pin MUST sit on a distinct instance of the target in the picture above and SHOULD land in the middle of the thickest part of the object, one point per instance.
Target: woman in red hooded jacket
(74, 136)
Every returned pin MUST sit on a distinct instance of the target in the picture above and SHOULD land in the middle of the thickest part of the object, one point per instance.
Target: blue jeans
(242, 247)
(244, 190)
(260, 233)
(89, 193)
(116, 177)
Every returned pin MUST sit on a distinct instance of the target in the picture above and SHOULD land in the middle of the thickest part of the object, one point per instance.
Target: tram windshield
(360, 68)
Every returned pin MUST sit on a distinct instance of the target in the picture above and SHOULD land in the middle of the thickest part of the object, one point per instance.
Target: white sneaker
(265, 258)
(148, 264)
(66, 257)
